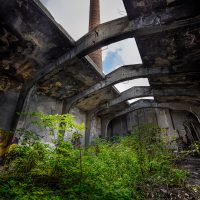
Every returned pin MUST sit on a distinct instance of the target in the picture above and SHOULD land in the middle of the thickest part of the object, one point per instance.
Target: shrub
(122, 169)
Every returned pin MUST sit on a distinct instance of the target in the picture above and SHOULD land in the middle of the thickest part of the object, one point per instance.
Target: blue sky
(112, 60)
(121, 53)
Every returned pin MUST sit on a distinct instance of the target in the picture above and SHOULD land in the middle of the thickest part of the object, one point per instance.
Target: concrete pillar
(92, 127)
(165, 121)
(22, 118)
(88, 129)
(104, 127)
(94, 20)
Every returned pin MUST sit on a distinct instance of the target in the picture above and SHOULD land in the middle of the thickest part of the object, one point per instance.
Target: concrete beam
(117, 30)
(145, 91)
(137, 8)
(144, 103)
(130, 72)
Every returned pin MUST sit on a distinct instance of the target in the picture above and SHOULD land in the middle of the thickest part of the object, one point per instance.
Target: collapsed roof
(36, 50)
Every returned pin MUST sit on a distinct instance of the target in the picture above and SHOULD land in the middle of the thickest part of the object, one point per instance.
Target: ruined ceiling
(178, 47)
(170, 48)
(31, 39)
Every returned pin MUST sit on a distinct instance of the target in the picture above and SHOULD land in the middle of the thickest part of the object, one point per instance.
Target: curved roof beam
(117, 30)
(144, 91)
(130, 72)
(111, 32)
(150, 104)
(144, 103)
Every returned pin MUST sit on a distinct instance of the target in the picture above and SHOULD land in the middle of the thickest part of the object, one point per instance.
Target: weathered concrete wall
(164, 119)
(48, 105)
(95, 130)
(186, 123)
(94, 125)
(175, 123)
(142, 116)
(118, 127)
(179, 118)
(172, 123)
(80, 117)
(8, 102)
(42, 104)
(125, 124)
(160, 117)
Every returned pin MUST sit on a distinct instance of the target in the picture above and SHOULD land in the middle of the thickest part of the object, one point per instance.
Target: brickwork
(94, 20)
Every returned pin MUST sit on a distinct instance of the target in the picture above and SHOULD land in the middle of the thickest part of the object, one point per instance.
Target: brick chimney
(94, 20)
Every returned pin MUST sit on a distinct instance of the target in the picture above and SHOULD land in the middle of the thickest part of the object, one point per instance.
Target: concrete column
(88, 129)
(94, 21)
(92, 127)
(104, 127)
(165, 121)
(22, 118)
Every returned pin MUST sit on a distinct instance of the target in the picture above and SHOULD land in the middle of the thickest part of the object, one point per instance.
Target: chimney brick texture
(94, 20)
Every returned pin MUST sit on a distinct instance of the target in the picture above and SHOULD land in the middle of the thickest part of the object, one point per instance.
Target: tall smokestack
(94, 20)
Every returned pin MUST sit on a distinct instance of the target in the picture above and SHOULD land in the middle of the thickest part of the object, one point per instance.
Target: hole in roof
(136, 99)
(121, 87)
(72, 15)
(111, 10)
(124, 52)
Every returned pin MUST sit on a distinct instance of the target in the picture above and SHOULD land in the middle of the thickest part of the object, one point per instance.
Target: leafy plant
(128, 168)
(192, 150)
(54, 124)
(5, 137)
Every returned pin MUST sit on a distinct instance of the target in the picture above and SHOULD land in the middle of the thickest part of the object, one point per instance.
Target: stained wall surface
(39, 103)
(172, 122)
(8, 102)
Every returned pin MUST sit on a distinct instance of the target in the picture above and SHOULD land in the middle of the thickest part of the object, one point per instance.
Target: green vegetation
(126, 168)
(193, 150)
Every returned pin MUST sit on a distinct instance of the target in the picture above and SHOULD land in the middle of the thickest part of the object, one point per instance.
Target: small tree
(56, 123)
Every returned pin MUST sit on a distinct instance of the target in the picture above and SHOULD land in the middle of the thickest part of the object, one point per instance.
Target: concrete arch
(151, 104)
(108, 33)
(145, 91)
(131, 72)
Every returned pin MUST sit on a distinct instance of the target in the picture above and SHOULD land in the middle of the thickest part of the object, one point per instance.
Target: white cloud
(129, 51)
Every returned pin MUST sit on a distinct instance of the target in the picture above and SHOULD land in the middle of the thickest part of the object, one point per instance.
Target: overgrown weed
(130, 168)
